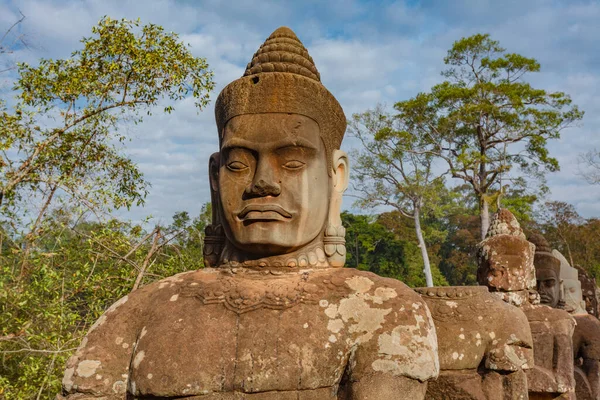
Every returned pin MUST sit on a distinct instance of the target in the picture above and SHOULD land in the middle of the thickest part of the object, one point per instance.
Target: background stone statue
(506, 266)
(586, 337)
(273, 317)
(484, 345)
(589, 291)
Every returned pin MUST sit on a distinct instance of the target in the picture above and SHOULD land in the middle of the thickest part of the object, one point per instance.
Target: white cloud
(365, 54)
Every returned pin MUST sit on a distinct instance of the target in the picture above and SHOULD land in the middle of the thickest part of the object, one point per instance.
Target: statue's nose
(264, 182)
(262, 188)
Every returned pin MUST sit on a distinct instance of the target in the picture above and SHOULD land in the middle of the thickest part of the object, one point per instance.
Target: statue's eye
(294, 164)
(237, 166)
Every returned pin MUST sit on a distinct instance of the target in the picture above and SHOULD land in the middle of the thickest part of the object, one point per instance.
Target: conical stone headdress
(282, 78)
(544, 259)
(504, 223)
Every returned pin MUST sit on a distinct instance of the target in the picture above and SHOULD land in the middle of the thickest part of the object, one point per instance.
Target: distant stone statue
(586, 338)
(589, 290)
(554, 371)
(506, 267)
(484, 345)
(273, 317)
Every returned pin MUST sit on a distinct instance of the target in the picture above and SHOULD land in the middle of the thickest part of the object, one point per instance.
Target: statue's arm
(512, 347)
(563, 344)
(400, 358)
(99, 369)
(510, 354)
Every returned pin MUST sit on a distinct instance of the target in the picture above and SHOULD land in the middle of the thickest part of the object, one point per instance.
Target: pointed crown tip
(283, 52)
(283, 31)
(504, 223)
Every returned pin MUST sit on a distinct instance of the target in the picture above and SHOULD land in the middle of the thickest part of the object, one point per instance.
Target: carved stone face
(506, 264)
(548, 286)
(573, 296)
(273, 182)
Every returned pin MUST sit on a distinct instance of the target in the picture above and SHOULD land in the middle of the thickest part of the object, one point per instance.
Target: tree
(58, 141)
(373, 246)
(485, 119)
(9, 41)
(61, 157)
(560, 222)
(394, 168)
(589, 164)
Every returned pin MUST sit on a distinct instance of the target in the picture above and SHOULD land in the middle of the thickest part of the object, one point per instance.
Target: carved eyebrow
(236, 142)
(297, 142)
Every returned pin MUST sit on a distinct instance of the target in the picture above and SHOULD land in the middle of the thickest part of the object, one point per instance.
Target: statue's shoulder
(472, 304)
(352, 282)
(546, 314)
(588, 323)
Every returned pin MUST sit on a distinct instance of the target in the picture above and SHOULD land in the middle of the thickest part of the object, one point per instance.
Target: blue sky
(367, 52)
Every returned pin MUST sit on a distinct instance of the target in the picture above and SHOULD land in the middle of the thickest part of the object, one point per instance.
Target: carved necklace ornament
(250, 292)
(308, 257)
(455, 303)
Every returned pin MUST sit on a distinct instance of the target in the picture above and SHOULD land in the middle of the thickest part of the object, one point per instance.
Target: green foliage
(79, 270)
(485, 119)
(373, 246)
(395, 168)
(60, 136)
(61, 160)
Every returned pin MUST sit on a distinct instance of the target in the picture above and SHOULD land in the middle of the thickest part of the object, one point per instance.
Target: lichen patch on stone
(87, 368)
(138, 359)
(359, 284)
(67, 381)
(335, 325)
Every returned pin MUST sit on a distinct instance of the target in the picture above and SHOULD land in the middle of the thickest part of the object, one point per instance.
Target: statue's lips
(264, 212)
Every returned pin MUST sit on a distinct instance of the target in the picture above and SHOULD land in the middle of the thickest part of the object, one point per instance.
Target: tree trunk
(423, 247)
(484, 216)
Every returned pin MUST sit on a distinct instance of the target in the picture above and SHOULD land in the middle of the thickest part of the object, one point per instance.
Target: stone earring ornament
(214, 237)
(334, 239)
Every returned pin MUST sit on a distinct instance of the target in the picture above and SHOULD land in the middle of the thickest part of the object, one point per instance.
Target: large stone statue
(506, 267)
(274, 317)
(484, 345)
(586, 338)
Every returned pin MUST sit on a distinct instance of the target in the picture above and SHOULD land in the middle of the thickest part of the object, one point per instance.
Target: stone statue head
(505, 257)
(572, 294)
(547, 270)
(279, 175)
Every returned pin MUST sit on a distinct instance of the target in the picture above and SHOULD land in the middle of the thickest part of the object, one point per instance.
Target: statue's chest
(463, 329)
(248, 338)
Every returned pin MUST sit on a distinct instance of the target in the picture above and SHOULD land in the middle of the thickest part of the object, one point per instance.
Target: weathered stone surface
(311, 334)
(275, 319)
(482, 342)
(552, 332)
(505, 257)
(508, 267)
(589, 291)
(586, 337)
(586, 347)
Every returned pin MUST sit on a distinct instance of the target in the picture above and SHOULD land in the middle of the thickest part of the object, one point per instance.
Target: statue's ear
(213, 171)
(334, 238)
(341, 171)
(214, 238)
